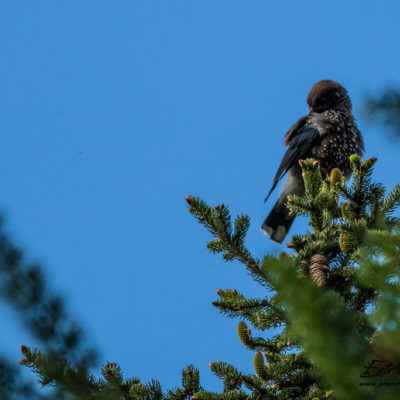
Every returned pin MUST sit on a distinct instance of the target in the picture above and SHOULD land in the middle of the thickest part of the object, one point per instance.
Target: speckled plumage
(328, 134)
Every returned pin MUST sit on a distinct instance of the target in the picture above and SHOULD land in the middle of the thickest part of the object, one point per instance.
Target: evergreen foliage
(385, 108)
(335, 296)
(330, 309)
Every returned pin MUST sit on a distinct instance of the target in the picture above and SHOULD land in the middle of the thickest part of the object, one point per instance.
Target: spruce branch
(262, 313)
(228, 241)
(54, 370)
(392, 200)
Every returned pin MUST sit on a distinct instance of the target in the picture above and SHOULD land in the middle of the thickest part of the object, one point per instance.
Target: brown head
(328, 95)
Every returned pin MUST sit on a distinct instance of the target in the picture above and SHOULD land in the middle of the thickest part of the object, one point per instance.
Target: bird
(328, 133)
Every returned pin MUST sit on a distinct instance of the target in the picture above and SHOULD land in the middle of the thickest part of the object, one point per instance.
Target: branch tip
(189, 199)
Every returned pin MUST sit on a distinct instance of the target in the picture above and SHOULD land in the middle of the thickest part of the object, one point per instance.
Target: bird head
(328, 95)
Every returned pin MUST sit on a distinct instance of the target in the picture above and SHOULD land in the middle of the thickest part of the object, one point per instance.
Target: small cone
(335, 177)
(259, 366)
(319, 267)
(244, 333)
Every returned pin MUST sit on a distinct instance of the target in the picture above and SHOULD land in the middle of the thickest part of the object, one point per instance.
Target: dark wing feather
(299, 145)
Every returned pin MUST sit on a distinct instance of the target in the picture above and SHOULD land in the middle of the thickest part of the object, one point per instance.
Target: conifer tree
(333, 297)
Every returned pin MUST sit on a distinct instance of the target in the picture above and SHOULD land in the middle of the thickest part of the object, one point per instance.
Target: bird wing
(299, 144)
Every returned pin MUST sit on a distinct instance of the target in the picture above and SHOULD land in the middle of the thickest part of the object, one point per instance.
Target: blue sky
(111, 112)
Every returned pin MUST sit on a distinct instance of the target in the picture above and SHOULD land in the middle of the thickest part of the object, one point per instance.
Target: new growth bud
(370, 162)
(355, 159)
(302, 163)
(219, 207)
(24, 350)
(189, 199)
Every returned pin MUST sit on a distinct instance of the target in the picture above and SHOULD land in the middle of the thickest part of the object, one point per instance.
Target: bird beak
(310, 109)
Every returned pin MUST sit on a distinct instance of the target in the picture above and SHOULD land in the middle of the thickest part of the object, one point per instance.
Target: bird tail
(278, 222)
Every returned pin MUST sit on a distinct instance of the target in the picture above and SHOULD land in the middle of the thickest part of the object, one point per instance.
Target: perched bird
(328, 134)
